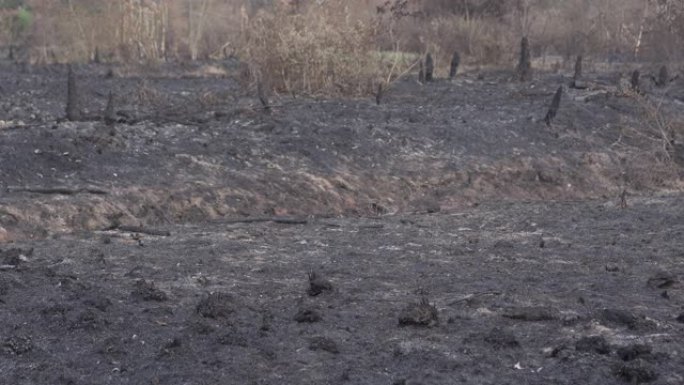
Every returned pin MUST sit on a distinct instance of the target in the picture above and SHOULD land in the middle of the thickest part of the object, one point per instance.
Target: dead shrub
(320, 50)
(647, 146)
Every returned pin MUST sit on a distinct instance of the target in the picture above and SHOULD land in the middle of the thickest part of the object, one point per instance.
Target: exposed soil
(447, 235)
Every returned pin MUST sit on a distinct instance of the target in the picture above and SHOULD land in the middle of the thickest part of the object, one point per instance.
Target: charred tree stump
(555, 105)
(455, 62)
(378, 94)
(577, 82)
(429, 68)
(96, 56)
(421, 73)
(109, 113)
(73, 108)
(663, 77)
(634, 83)
(525, 62)
(578, 68)
(263, 97)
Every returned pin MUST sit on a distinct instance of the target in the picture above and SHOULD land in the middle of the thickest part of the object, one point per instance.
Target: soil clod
(147, 291)
(501, 339)
(634, 351)
(662, 280)
(318, 284)
(324, 343)
(308, 315)
(532, 313)
(637, 372)
(216, 305)
(593, 344)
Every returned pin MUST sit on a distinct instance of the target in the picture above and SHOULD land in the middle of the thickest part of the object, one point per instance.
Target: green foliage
(24, 19)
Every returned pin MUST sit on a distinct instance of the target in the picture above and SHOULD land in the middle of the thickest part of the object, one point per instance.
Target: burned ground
(460, 238)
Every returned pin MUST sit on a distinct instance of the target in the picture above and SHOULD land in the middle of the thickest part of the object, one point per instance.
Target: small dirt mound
(147, 291)
(216, 305)
(419, 314)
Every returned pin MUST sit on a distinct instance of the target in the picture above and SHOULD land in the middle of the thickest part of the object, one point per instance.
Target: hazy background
(343, 44)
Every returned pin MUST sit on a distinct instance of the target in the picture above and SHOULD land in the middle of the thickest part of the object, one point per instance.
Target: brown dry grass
(322, 49)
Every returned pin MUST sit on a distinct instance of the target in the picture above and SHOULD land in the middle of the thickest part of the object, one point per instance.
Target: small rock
(216, 305)
(308, 316)
(501, 339)
(147, 291)
(634, 351)
(593, 344)
(325, 344)
(637, 372)
(318, 284)
(531, 313)
(419, 314)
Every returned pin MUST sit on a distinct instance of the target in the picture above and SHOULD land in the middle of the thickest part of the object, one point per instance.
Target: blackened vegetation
(73, 109)
(455, 62)
(110, 113)
(635, 80)
(525, 62)
(555, 105)
(429, 68)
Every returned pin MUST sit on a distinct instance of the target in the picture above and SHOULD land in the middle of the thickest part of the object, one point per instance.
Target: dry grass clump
(322, 49)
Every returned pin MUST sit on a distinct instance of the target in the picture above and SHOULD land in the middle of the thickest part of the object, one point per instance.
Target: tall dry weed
(322, 49)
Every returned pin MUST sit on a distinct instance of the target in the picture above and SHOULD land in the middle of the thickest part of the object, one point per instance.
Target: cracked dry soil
(445, 236)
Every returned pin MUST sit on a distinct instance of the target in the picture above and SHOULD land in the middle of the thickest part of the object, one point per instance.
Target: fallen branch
(58, 190)
(139, 230)
(282, 220)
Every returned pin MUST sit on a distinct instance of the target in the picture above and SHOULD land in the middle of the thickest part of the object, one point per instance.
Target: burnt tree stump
(555, 105)
(525, 61)
(109, 113)
(634, 83)
(73, 109)
(378, 94)
(429, 68)
(421, 73)
(577, 76)
(455, 62)
(663, 77)
(263, 97)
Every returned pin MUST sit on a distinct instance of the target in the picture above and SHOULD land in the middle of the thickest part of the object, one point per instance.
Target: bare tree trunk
(640, 35)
